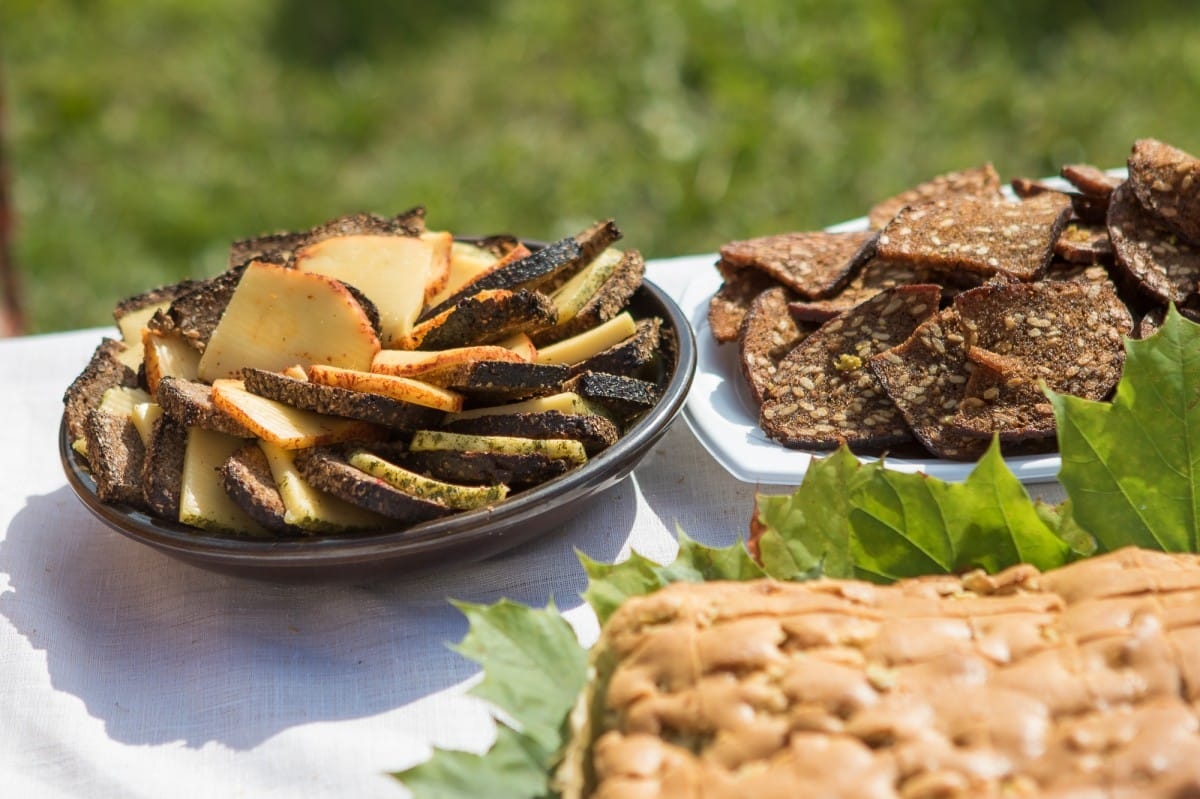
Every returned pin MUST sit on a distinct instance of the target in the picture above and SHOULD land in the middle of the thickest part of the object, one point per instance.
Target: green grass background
(145, 136)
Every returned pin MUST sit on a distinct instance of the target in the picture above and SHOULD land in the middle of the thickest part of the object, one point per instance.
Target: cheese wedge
(309, 508)
(203, 502)
(284, 425)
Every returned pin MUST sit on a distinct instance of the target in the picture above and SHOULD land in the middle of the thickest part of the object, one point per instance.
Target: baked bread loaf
(1076, 682)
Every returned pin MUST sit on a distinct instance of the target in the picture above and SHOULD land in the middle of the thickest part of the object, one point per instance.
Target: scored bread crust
(1079, 681)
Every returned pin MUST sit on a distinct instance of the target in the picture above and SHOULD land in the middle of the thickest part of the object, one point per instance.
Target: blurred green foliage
(145, 135)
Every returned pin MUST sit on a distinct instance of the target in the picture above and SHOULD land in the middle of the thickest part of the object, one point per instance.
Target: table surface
(130, 674)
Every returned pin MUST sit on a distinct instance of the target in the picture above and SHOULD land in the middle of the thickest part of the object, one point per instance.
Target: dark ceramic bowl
(464, 537)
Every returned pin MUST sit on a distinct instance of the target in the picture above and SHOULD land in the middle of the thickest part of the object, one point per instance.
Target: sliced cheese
(312, 509)
(285, 425)
(121, 400)
(458, 497)
(279, 316)
(583, 285)
(563, 402)
(145, 414)
(562, 448)
(412, 363)
(203, 501)
(168, 355)
(394, 272)
(590, 342)
(400, 388)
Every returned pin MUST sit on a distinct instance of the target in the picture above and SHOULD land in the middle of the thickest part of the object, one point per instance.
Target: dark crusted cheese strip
(595, 432)
(813, 264)
(1166, 181)
(981, 181)
(729, 304)
(1077, 682)
(482, 318)
(326, 469)
(630, 355)
(623, 395)
(981, 236)
(1153, 257)
(335, 401)
(769, 333)
(612, 297)
(496, 382)
(822, 394)
(485, 468)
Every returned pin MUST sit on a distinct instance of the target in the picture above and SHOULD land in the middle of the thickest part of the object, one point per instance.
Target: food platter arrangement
(878, 632)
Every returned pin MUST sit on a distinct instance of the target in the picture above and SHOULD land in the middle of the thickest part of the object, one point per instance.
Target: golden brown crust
(981, 181)
(1080, 681)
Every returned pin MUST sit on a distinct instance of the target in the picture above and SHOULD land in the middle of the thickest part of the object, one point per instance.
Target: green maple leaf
(1131, 467)
(867, 521)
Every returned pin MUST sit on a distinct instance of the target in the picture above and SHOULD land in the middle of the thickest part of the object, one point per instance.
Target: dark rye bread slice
(981, 181)
(326, 469)
(926, 378)
(822, 394)
(732, 300)
(1084, 243)
(494, 382)
(1166, 180)
(195, 313)
(1069, 334)
(162, 471)
(1090, 180)
(769, 332)
(595, 432)
(877, 275)
(335, 401)
(814, 264)
(1002, 398)
(610, 298)
(281, 248)
(483, 318)
(104, 370)
(190, 403)
(247, 479)
(115, 457)
(629, 356)
(1148, 255)
(622, 395)
(484, 468)
(984, 237)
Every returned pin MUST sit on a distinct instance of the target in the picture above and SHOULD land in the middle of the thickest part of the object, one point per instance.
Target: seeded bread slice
(1090, 180)
(1166, 180)
(877, 275)
(1084, 243)
(162, 473)
(981, 181)
(822, 394)
(1069, 334)
(926, 378)
(980, 236)
(814, 264)
(769, 333)
(115, 457)
(732, 300)
(1148, 254)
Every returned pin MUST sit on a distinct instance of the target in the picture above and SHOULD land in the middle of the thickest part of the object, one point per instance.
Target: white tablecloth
(126, 673)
